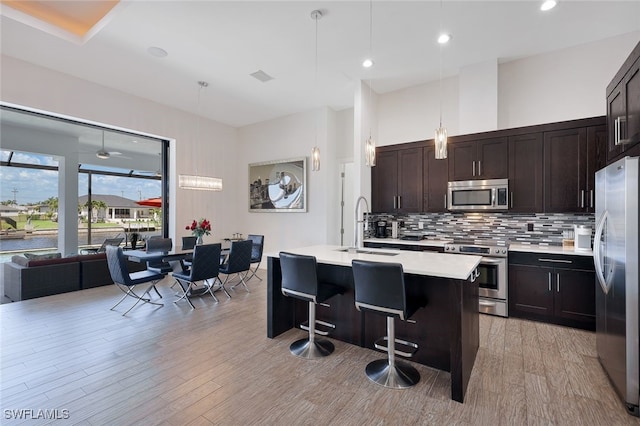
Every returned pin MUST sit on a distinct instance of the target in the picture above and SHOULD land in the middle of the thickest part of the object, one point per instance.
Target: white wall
(478, 97)
(561, 85)
(289, 137)
(36, 87)
(413, 114)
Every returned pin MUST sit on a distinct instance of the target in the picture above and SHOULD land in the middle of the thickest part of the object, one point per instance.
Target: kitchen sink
(361, 251)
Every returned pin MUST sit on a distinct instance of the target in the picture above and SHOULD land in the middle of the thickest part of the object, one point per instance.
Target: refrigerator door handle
(597, 247)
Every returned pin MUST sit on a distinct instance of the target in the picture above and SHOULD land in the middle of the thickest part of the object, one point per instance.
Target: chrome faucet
(356, 243)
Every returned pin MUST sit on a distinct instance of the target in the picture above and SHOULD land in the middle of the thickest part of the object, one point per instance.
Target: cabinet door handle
(549, 281)
(616, 131)
(479, 168)
(445, 201)
(395, 202)
(511, 199)
(554, 260)
(473, 167)
(558, 282)
(582, 199)
(591, 198)
(399, 201)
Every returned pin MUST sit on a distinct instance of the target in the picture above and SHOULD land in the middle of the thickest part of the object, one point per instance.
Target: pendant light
(316, 15)
(196, 181)
(370, 144)
(441, 132)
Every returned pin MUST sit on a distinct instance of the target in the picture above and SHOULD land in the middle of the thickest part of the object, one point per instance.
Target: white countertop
(530, 248)
(456, 266)
(426, 243)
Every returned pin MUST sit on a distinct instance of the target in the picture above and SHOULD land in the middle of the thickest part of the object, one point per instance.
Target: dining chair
(256, 255)
(188, 243)
(238, 262)
(157, 243)
(204, 267)
(127, 282)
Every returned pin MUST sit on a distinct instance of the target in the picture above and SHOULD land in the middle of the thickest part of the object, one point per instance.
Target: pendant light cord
(371, 57)
(440, 83)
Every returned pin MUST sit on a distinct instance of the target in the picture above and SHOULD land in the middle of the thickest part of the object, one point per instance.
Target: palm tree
(52, 203)
(95, 207)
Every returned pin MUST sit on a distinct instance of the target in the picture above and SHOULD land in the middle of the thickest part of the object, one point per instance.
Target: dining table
(143, 256)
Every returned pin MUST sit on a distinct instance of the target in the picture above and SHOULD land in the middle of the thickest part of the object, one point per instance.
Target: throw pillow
(48, 256)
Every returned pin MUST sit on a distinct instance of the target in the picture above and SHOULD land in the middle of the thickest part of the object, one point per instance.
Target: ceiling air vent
(261, 75)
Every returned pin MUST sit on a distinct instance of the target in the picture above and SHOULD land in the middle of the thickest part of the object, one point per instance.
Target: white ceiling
(222, 42)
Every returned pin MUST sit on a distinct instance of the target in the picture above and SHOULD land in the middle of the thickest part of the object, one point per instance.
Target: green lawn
(41, 225)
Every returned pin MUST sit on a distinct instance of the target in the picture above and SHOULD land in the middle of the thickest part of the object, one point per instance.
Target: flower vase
(199, 240)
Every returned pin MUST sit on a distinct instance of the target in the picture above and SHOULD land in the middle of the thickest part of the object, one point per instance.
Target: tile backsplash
(526, 228)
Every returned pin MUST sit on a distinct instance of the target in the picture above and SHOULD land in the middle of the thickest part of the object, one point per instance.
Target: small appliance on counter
(381, 229)
(582, 237)
(394, 229)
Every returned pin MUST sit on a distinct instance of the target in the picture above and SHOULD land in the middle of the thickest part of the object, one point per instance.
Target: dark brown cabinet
(623, 107)
(596, 159)
(482, 159)
(435, 181)
(525, 173)
(552, 288)
(396, 181)
(565, 170)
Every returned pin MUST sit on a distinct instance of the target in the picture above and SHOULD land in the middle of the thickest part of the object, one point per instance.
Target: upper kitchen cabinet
(396, 180)
(435, 181)
(481, 159)
(525, 173)
(596, 160)
(623, 107)
(565, 170)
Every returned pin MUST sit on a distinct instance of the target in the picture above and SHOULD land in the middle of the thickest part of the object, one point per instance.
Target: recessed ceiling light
(548, 5)
(157, 52)
(367, 63)
(444, 38)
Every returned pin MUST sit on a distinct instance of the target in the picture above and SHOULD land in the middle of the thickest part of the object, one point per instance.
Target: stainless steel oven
(492, 280)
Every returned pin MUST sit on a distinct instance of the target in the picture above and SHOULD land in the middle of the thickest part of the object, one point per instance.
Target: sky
(33, 185)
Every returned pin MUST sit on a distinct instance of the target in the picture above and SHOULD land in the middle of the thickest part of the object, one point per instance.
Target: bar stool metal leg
(311, 348)
(389, 372)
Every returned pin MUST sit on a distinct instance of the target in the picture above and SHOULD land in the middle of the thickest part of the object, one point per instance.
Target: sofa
(41, 276)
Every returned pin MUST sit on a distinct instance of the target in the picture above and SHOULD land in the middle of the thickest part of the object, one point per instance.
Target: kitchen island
(446, 329)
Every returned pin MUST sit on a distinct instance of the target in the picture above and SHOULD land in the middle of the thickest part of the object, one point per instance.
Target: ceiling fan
(104, 154)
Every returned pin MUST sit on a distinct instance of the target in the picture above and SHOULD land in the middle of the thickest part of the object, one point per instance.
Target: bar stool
(300, 280)
(380, 289)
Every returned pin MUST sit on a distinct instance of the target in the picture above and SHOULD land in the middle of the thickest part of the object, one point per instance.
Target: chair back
(206, 262)
(299, 276)
(118, 266)
(380, 287)
(239, 257)
(159, 244)
(189, 242)
(258, 246)
(110, 242)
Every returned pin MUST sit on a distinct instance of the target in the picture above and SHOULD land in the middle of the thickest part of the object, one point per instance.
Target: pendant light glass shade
(441, 143)
(203, 183)
(315, 159)
(370, 152)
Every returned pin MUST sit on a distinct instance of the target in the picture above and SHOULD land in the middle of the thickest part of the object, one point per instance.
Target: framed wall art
(278, 186)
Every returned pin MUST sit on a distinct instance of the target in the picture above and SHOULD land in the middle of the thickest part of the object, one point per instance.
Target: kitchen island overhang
(446, 329)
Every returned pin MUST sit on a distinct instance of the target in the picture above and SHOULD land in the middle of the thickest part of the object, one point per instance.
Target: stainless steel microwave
(490, 194)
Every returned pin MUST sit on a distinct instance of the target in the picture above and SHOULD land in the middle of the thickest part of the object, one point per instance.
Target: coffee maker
(381, 229)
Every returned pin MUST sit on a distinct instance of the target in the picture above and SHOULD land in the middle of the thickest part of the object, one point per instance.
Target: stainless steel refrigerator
(615, 253)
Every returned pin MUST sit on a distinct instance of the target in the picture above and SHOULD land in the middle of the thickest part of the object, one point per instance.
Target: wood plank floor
(214, 365)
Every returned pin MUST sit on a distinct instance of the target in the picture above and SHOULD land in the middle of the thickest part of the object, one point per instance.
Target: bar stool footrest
(382, 344)
(305, 326)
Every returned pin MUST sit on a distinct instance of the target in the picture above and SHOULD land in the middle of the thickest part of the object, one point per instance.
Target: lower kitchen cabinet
(558, 289)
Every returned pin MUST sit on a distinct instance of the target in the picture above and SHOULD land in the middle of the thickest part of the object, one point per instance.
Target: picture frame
(278, 186)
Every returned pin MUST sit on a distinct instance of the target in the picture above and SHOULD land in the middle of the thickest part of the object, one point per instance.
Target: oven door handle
(492, 261)
(485, 303)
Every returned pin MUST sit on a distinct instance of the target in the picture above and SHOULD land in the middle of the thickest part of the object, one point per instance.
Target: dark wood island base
(446, 329)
